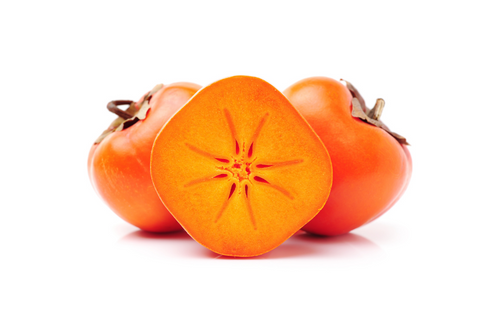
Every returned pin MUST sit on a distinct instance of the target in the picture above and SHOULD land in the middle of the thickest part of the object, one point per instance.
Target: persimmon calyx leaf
(112, 128)
(144, 107)
(130, 116)
(371, 116)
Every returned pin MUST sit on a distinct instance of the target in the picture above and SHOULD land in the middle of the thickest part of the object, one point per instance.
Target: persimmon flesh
(239, 168)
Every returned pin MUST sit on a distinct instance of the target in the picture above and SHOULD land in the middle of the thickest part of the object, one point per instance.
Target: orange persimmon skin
(119, 166)
(371, 170)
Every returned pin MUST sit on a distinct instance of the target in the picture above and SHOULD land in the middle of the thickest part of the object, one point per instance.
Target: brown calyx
(130, 116)
(371, 116)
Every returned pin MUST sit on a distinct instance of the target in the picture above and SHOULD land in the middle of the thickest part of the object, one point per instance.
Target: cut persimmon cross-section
(239, 167)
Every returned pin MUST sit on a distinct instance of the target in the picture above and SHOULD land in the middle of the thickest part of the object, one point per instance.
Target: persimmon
(371, 165)
(119, 160)
(239, 168)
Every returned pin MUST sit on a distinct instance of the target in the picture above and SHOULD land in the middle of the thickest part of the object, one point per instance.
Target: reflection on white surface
(301, 245)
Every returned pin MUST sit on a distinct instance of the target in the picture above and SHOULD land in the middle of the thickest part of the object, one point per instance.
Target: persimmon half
(239, 168)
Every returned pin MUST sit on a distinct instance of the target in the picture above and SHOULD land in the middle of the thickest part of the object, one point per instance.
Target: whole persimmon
(371, 165)
(119, 160)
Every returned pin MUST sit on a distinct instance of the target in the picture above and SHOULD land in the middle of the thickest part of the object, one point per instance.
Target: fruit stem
(113, 107)
(376, 111)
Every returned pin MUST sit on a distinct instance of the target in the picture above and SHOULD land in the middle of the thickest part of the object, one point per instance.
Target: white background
(68, 264)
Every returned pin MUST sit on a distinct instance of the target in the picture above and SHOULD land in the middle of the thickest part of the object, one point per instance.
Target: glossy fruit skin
(119, 166)
(371, 170)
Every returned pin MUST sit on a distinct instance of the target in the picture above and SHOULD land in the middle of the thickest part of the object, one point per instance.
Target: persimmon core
(239, 167)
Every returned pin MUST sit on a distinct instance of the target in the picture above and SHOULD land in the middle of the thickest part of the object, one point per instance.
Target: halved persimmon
(239, 168)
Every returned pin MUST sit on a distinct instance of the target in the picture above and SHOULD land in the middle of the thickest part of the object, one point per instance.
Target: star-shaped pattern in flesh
(240, 167)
